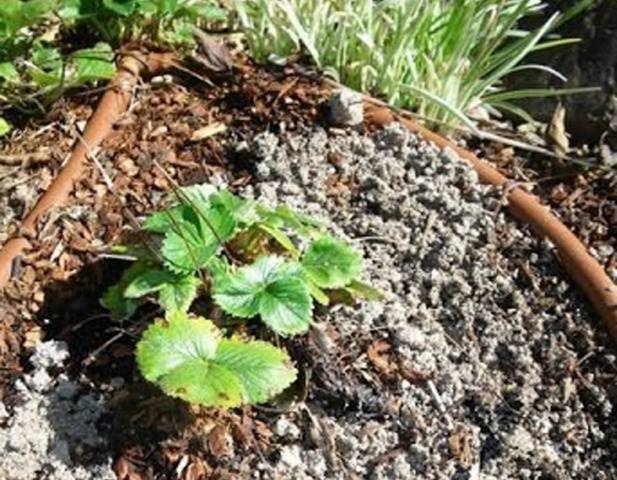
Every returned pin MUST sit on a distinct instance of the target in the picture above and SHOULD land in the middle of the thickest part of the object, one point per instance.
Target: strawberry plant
(252, 262)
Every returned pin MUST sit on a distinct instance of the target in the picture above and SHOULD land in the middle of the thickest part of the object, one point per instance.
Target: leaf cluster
(252, 261)
(40, 59)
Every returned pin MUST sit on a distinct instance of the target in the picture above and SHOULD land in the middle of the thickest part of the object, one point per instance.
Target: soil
(481, 361)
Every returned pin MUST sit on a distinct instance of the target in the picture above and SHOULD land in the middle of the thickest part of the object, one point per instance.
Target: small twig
(194, 74)
(92, 357)
(375, 238)
(118, 256)
(284, 91)
(25, 159)
(10, 173)
(78, 325)
(22, 181)
(58, 249)
(438, 402)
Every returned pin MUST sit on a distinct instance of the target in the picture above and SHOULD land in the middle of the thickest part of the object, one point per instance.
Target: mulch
(63, 275)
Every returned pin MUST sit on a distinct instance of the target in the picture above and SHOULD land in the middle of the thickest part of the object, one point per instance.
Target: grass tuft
(440, 58)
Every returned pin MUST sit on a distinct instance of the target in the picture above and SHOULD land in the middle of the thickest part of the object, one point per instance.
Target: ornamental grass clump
(440, 58)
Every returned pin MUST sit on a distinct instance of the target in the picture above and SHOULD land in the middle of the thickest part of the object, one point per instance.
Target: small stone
(116, 383)
(410, 336)
(52, 353)
(286, 429)
(345, 108)
(290, 456)
(39, 381)
(66, 389)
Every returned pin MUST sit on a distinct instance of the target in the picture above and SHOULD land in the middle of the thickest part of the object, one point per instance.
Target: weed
(246, 258)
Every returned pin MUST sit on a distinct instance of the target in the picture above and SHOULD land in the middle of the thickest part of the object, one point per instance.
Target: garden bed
(481, 360)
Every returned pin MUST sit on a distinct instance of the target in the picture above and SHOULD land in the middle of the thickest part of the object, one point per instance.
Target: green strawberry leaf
(317, 293)
(264, 371)
(33, 10)
(93, 64)
(8, 72)
(272, 288)
(286, 306)
(114, 298)
(164, 220)
(197, 196)
(284, 217)
(188, 359)
(47, 66)
(179, 294)
(218, 267)
(167, 344)
(148, 281)
(176, 292)
(195, 229)
(360, 289)
(119, 306)
(69, 10)
(167, 7)
(242, 210)
(192, 241)
(331, 263)
(204, 9)
(281, 237)
(204, 383)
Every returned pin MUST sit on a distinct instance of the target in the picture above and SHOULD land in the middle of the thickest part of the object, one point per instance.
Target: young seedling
(247, 258)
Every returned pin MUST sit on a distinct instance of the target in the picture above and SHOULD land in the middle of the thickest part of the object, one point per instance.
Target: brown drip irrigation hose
(581, 266)
(113, 104)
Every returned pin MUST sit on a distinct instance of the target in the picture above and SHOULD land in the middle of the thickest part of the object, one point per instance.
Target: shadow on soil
(136, 414)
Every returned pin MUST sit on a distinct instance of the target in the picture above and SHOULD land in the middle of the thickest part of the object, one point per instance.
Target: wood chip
(220, 442)
(208, 131)
(461, 445)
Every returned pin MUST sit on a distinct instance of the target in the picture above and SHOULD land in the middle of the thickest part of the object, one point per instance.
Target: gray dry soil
(516, 379)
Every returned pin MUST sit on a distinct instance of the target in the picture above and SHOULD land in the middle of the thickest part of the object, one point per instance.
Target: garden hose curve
(582, 267)
(113, 104)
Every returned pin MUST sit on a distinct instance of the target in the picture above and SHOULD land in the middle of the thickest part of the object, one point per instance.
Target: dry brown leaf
(461, 445)
(208, 131)
(211, 53)
(378, 354)
(198, 470)
(555, 135)
(242, 430)
(220, 442)
(125, 470)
